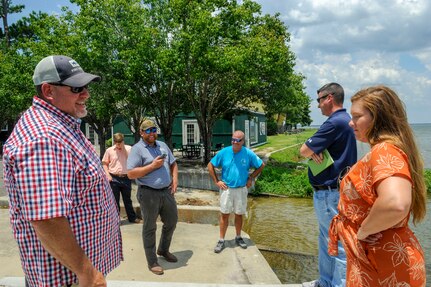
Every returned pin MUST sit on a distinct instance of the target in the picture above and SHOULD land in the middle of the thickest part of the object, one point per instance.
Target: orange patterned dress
(397, 259)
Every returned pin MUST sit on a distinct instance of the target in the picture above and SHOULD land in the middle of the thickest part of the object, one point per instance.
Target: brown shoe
(156, 269)
(137, 220)
(168, 256)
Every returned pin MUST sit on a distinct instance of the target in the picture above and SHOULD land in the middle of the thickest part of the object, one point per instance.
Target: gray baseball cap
(64, 70)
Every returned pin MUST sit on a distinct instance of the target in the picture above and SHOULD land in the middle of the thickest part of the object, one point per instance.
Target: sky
(356, 43)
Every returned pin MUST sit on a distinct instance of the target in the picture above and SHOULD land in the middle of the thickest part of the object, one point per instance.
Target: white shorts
(233, 200)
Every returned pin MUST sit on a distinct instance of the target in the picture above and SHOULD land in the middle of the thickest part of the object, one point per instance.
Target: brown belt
(118, 175)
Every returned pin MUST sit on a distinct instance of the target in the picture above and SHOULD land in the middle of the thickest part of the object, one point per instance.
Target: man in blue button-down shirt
(336, 136)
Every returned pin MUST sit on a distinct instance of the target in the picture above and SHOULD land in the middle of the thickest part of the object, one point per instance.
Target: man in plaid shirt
(62, 210)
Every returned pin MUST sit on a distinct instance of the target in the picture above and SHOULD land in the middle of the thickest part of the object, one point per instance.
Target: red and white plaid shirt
(51, 170)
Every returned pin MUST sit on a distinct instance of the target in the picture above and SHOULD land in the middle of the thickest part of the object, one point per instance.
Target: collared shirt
(116, 159)
(337, 136)
(143, 154)
(235, 166)
(51, 170)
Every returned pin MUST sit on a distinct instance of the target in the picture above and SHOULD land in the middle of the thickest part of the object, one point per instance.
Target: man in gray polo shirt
(154, 167)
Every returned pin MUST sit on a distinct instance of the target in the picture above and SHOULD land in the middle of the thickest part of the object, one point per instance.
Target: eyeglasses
(150, 130)
(236, 140)
(342, 174)
(321, 98)
(75, 90)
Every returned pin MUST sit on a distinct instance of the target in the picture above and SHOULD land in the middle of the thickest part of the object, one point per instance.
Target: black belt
(324, 187)
(152, 188)
(118, 175)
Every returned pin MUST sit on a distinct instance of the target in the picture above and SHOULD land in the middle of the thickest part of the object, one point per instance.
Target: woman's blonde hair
(389, 124)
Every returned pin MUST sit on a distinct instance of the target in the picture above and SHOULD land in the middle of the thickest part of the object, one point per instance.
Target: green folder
(317, 168)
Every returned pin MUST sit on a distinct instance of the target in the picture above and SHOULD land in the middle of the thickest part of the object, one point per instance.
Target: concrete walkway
(193, 244)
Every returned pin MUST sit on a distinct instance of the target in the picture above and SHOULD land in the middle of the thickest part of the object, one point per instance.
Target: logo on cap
(73, 63)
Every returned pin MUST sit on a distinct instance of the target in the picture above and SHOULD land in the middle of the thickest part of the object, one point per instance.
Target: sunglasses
(341, 175)
(150, 130)
(236, 140)
(75, 90)
(321, 98)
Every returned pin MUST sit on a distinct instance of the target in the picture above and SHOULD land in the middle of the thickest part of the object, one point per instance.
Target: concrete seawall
(193, 243)
(196, 178)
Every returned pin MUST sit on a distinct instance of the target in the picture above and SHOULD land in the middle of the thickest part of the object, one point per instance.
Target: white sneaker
(314, 283)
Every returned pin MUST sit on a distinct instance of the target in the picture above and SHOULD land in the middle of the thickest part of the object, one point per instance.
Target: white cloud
(354, 42)
(359, 43)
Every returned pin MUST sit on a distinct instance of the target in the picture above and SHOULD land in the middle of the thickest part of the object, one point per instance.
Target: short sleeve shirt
(338, 138)
(51, 170)
(116, 159)
(235, 166)
(143, 154)
(397, 256)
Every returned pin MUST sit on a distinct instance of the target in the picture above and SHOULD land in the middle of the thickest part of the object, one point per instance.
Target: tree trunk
(102, 141)
(5, 4)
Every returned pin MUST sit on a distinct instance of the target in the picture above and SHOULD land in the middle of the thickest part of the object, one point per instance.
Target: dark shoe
(156, 269)
(240, 242)
(168, 256)
(219, 247)
(137, 220)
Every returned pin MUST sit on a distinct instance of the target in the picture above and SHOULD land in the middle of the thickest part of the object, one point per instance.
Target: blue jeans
(332, 269)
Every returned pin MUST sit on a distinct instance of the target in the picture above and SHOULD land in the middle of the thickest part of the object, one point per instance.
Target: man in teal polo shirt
(235, 162)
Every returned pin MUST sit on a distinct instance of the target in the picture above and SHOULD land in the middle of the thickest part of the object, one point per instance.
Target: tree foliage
(162, 57)
(233, 57)
(31, 39)
(7, 8)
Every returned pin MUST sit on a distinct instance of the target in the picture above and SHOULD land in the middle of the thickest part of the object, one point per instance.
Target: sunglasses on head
(341, 175)
(236, 140)
(75, 90)
(150, 130)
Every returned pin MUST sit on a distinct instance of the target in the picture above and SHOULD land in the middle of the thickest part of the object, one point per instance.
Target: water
(287, 225)
(423, 139)
(285, 229)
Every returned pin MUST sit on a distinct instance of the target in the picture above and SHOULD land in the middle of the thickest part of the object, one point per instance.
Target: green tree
(19, 60)
(7, 8)
(297, 108)
(161, 57)
(233, 57)
(128, 42)
(157, 76)
(99, 37)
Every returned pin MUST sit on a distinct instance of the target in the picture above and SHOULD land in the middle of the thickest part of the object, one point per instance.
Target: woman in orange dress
(379, 194)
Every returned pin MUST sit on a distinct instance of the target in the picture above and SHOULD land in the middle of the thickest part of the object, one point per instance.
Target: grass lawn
(285, 148)
(284, 174)
(280, 141)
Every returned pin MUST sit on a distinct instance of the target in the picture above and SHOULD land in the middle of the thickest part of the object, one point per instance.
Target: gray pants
(154, 203)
